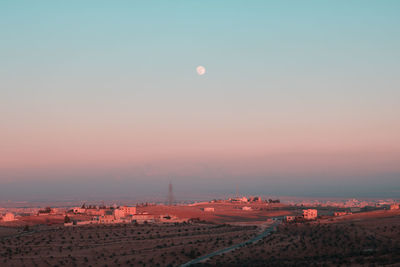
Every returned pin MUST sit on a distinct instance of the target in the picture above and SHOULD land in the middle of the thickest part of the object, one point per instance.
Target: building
(394, 206)
(340, 213)
(118, 214)
(255, 199)
(78, 210)
(9, 217)
(355, 209)
(290, 218)
(310, 214)
(246, 208)
(142, 218)
(107, 219)
(209, 209)
(128, 210)
(239, 199)
(124, 212)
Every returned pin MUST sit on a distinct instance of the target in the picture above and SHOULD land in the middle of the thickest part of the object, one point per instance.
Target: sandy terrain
(224, 212)
(357, 239)
(41, 220)
(371, 238)
(125, 245)
(8, 231)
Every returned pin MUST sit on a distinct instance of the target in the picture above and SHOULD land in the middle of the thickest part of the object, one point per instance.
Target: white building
(310, 214)
(246, 208)
(9, 217)
(290, 218)
(394, 206)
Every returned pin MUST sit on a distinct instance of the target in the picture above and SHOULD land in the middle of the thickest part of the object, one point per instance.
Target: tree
(67, 219)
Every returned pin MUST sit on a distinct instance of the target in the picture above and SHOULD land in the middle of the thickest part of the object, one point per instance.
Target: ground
(370, 239)
(120, 245)
(224, 212)
(363, 239)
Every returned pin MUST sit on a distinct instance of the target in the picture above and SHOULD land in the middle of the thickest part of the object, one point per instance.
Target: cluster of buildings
(349, 203)
(123, 214)
(103, 214)
(251, 199)
(341, 213)
(312, 214)
(8, 217)
(308, 214)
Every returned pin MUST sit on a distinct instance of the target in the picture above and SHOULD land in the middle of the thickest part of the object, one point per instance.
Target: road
(266, 232)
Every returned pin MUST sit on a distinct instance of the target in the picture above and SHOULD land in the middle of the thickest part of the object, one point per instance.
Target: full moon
(201, 70)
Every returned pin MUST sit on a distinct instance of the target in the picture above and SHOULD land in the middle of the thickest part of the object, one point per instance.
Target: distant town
(142, 213)
(236, 231)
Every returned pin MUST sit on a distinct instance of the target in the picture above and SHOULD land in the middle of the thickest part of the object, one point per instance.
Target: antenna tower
(170, 195)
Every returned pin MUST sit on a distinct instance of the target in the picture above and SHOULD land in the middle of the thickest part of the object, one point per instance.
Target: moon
(201, 70)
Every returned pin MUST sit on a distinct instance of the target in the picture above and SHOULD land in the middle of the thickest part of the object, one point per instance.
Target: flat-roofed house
(107, 219)
(290, 218)
(310, 214)
(9, 217)
(141, 218)
(128, 210)
(394, 206)
(78, 210)
(340, 213)
(118, 213)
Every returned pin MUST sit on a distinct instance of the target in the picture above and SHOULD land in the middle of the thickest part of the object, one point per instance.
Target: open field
(8, 231)
(120, 245)
(356, 239)
(371, 238)
(42, 220)
(224, 212)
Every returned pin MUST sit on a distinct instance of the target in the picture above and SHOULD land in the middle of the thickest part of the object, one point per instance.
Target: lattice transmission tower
(171, 198)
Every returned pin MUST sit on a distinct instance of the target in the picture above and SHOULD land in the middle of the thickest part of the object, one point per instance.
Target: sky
(102, 98)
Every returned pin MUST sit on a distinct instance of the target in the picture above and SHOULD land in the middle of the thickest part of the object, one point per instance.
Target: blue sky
(311, 86)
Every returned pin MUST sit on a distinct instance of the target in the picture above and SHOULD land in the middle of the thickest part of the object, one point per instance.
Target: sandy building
(255, 199)
(289, 218)
(96, 212)
(209, 209)
(394, 206)
(119, 214)
(107, 219)
(141, 218)
(340, 213)
(355, 209)
(9, 217)
(78, 210)
(310, 214)
(128, 210)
